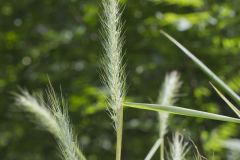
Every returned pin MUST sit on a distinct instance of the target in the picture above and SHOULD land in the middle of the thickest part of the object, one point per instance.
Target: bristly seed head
(178, 148)
(168, 96)
(52, 116)
(114, 77)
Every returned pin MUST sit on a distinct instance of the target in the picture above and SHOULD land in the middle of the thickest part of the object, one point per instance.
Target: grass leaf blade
(181, 111)
(205, 69)
(153, 149)
(226, 101)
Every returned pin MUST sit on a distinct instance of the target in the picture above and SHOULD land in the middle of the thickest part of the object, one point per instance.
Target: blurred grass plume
(52, 116)
(167, 96)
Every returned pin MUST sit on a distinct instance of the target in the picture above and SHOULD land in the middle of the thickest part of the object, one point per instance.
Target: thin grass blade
(227, 101)
(153, 149)
(181, 111)
(205, 69)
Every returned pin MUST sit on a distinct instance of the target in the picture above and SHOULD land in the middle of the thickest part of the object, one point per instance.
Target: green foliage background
(61, 39)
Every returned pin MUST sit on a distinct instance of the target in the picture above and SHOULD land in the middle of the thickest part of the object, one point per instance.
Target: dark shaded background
(60, 38)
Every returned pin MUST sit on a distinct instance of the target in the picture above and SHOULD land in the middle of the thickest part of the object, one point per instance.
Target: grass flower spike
(52, 116)
(178, 148)
(114, 77)
(167, 96)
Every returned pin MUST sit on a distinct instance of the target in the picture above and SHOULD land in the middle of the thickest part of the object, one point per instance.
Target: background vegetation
(61, 39)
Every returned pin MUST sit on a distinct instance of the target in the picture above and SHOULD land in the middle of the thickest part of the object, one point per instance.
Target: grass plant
(114, 78)
(178, 147)
(167, 96)
(52, 116)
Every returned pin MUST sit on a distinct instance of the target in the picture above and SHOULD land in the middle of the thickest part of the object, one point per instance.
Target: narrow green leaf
(153, 149)
(205, 69)
(181, 111)
(226, 100)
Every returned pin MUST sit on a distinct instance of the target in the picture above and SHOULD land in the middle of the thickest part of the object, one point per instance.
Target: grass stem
(119, 134)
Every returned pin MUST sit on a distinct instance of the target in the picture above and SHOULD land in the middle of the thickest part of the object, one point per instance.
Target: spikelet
(167, 96)
(114, 78)
(52, 116)
(178, 148)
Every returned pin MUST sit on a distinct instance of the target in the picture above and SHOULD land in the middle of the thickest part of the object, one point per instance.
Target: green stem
(119, 129)
(162, 149)
(80, 154)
